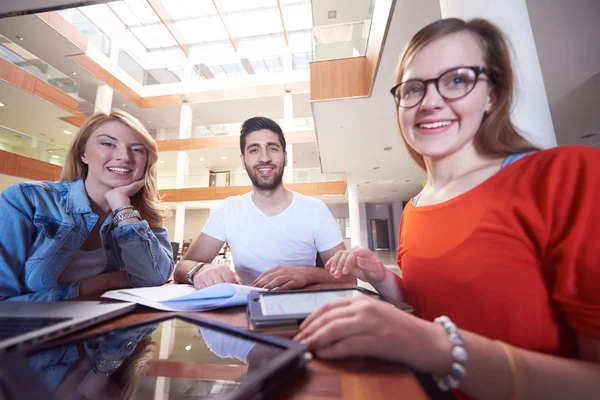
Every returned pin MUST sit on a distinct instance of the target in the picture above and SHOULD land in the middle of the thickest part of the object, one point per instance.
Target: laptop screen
(174, 359)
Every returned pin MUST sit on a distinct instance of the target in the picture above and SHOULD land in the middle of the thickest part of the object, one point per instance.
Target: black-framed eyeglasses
(451, 85)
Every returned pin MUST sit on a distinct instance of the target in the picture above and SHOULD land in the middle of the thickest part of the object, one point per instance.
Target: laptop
(23, 324)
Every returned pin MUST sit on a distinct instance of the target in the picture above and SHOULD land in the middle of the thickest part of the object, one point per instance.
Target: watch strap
(123, 215)
(193, 270)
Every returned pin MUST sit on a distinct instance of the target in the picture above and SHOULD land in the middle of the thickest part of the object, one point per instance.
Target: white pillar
(354, 214)
(185, 130)
(179, 223)
(104, 98)
(531, 112)
(288, 173)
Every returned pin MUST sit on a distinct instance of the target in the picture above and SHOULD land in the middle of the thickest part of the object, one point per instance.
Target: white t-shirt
(259, 243)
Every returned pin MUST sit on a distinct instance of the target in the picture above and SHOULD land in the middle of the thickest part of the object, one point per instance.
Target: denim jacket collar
(78, 201)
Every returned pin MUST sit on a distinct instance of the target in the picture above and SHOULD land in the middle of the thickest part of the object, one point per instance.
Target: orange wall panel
(220, 193)
(16, 76)
(55, 96)
(338, 79)
(28, 168)
(222, 142)
(64, 27)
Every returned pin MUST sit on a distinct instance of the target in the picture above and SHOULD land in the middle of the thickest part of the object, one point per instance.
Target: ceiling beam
(285, 35)
(248, 66)
(222, 16)
(169, 23)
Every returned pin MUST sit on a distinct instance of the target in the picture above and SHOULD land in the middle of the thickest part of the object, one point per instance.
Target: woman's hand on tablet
(361, 262)
(366, 327)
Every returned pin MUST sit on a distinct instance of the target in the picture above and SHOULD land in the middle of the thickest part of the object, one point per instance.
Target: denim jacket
(43, 225)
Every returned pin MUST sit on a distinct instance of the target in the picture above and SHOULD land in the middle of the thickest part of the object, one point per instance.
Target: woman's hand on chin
(121, 196)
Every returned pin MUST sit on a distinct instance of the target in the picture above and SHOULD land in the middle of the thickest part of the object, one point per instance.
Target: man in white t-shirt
(274, 233)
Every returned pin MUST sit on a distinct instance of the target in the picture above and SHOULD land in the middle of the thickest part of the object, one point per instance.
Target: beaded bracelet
(459, 354)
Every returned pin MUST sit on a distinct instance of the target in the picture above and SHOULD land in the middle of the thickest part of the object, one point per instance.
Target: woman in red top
(503, 239)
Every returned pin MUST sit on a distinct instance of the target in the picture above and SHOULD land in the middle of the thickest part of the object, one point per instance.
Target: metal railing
(232, 129)
(239, 178)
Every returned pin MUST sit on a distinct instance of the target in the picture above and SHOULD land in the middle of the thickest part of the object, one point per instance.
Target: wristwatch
(123, 215)
(103, 366)
(193, 270)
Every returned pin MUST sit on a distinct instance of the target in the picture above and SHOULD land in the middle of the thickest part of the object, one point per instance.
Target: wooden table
(345, 379)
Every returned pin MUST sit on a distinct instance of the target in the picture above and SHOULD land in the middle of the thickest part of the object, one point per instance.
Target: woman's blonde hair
(497, 135)
(146, 201)
(128, 375)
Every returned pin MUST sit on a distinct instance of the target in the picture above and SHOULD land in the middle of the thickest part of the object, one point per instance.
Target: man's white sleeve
(327, 231)
(216, 224)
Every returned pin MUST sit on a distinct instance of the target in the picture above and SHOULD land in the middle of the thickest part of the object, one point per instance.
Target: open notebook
(185, 297)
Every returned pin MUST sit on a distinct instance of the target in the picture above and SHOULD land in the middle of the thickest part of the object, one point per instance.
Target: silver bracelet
(459, 354)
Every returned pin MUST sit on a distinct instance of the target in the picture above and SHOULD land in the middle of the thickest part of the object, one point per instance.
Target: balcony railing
(28, 146)
(225, 179)
(340, 40)
(26, 61)
(233, 129)
(94, 35)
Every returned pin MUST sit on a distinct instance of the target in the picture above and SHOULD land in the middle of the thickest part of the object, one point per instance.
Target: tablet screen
(300, 302)
(169, 359)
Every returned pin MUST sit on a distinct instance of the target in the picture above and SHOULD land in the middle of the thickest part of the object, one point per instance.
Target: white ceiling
(352, 133)
(346, 11)
(567, 38)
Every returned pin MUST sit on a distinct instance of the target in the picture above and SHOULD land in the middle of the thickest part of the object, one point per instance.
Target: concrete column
(531, 112)
(183, 165)
(354, 214)
(104, 98)
(288, 173)
(179, 223)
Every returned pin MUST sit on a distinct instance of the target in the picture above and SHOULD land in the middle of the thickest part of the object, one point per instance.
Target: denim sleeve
(145, 253)
(17, 233)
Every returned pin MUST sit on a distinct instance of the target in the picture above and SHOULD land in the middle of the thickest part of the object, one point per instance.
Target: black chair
(175, 249)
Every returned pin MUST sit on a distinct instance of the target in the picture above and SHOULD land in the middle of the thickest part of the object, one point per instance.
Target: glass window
(344, 225)
(154, 36)
(254, 23)
(241, 5)
(202, 30)
(297, 17)
(302, 60)
(300, 42)
(142, 10)
(272, 45)
(124, 13)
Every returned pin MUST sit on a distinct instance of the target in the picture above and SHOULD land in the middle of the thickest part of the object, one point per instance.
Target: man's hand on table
(286, 278)
(211, 274)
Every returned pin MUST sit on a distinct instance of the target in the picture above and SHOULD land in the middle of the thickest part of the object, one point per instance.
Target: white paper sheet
(185, 297)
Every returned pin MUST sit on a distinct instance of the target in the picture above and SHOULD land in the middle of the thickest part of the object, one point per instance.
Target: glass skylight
(154, 36)
(297, 17)
(228, 6)
(254, 23)
(202, 30)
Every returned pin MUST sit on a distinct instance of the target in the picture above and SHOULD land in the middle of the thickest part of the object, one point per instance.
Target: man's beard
(254, 176)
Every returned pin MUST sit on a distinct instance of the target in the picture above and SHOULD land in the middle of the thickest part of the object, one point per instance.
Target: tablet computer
(174, 356)
(282, 312)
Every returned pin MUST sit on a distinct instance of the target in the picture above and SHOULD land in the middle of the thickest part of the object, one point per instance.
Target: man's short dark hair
(259, 123)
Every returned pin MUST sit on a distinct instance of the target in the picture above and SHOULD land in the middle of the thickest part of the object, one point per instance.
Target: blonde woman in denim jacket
(98, 228)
